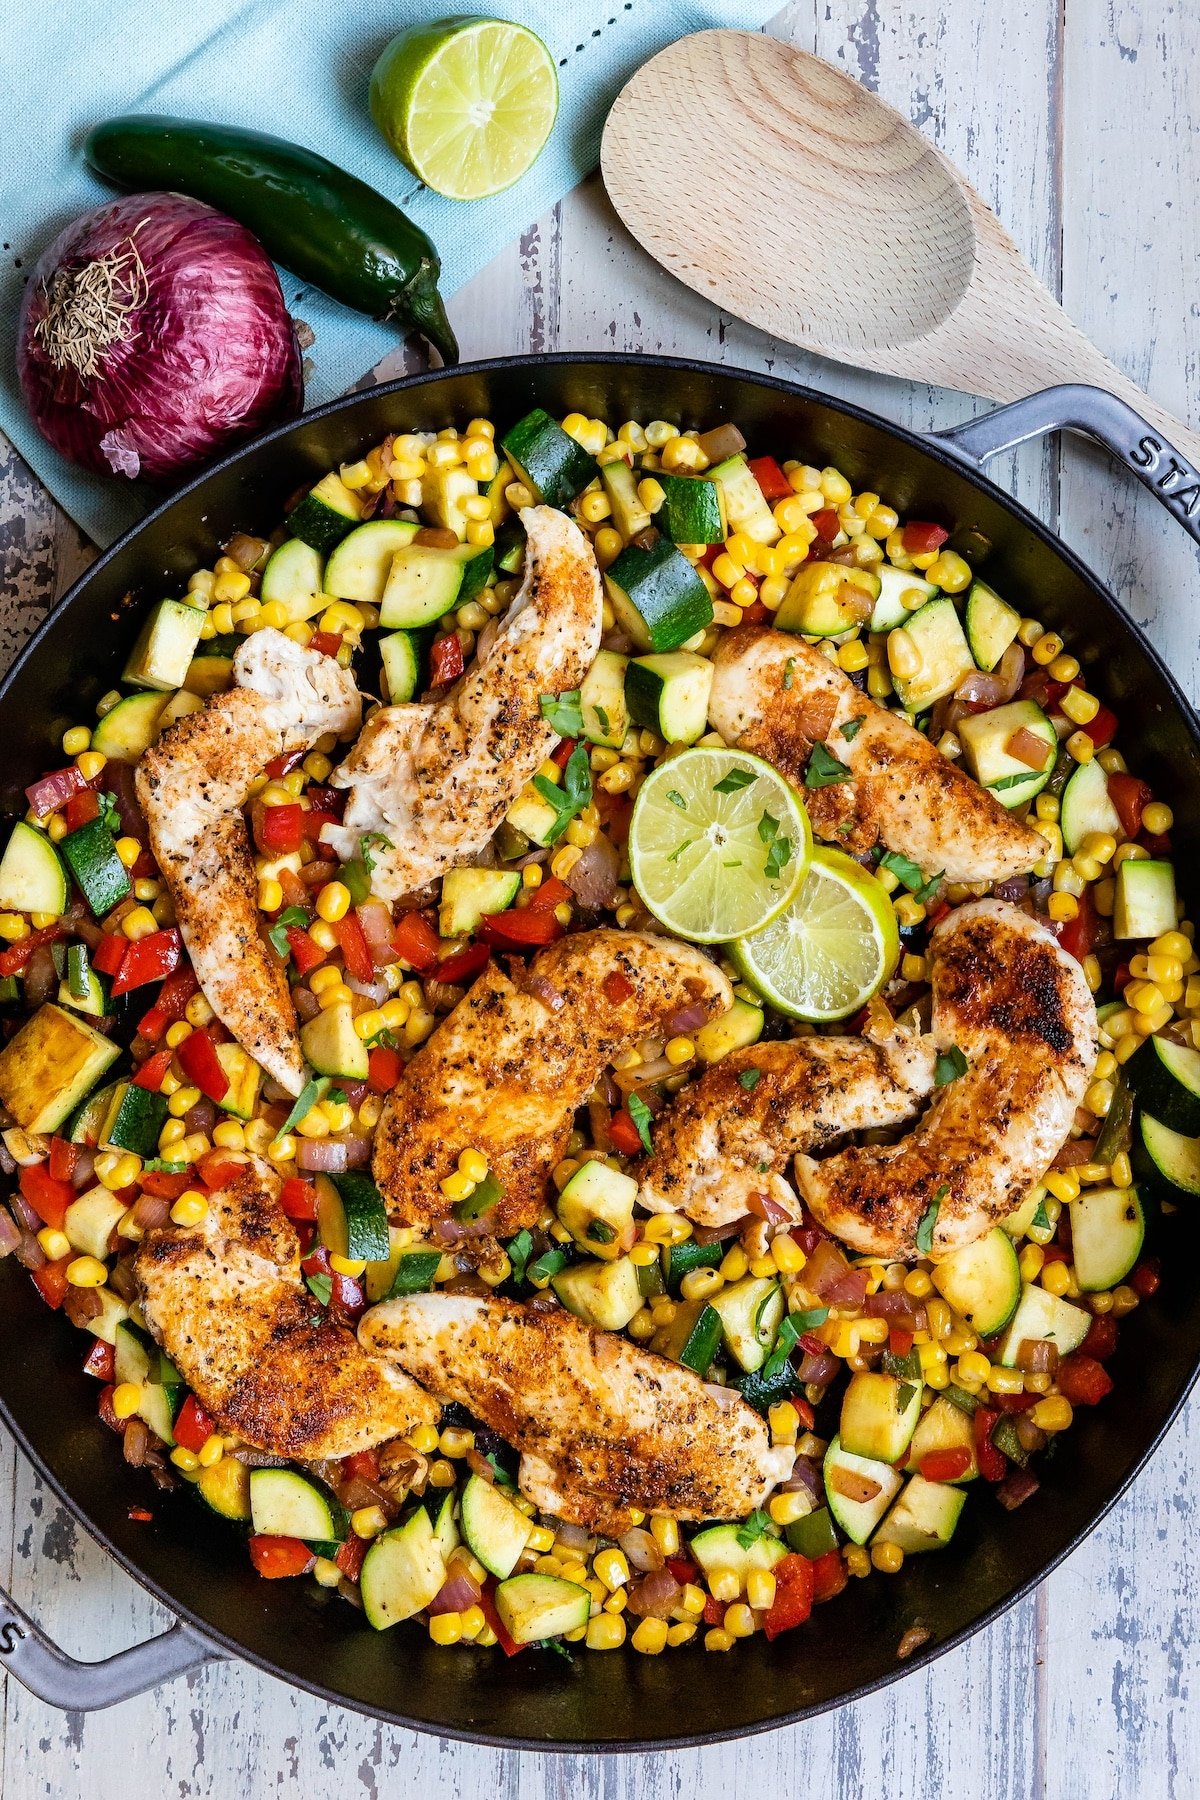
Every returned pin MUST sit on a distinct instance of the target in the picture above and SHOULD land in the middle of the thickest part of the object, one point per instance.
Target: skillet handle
(1142, 448)
(58, 1679)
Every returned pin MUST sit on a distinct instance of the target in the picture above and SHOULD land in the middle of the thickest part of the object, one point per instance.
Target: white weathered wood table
(1081, 126)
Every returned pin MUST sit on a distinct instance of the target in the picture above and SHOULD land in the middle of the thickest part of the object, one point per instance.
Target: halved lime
(718, 843)
(466, 103)
(832, 948)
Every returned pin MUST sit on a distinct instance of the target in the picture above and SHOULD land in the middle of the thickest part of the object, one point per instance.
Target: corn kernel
(606, 1631)
(270, 896)
(368, 1521)
(887, 1557)
(55, 1244)
(612, 1568)
(126, 1398)
(1157, 817)
(1081, 747)
(785, 1509)
(87, 1272)
(716, 1639)
(190, 1208)
(650, 1637)
(1056, 1278)
(333, 901)
(724, 1584)
(739, 1620)
(787, 1255)
(1054, 1413)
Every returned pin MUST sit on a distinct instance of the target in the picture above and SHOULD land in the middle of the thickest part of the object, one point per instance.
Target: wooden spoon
(810, 207)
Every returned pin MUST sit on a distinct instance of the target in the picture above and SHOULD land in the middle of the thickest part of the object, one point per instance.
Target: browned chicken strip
(724, 1139)
(603, 1426)
(507, 1070)
(1018, 1008)
(775, 695)
(227, 1302)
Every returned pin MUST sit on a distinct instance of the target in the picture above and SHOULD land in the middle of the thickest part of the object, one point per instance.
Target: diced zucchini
(244, 1076)
(88, 1121)
(679, 1260)
(52, 1063)
(1166, 1162)
(535, 1607)
(692, 512)
(138, 1361)
(984, 738)
(879, 1415)
(718, 1548)
(81, 988)
(134, 1119)
(113, 1312)
(425, 581)
(208, 675)
(90, 852)
(937, 636)
(669, 694)
(225, 1487)
(992, 625)
(763, 1391)
(407, 1269)
(178, 707)
(533, 816)
(363, 1225)
(402, 1571)
(692, 1338)
(32, 876)
(333, 1047)
(285, 1503)
(596, 1206)
(1086, 807)
(745, 508)
(602, 700)
(603, 1294)
(1145, 905)
(401, 665)
(1042, 1316)
(657, 596)
(894, 585)
(982, 1282)
(547, 459)
(469, 895)
(127, 732)
(858, 1490)
(620, 484)
(444, 496)
(736, 1029)
(325, 515)
(359, 568)
(493, 1528)
(511, 540)
(136, 1355)
(826, 599)
(1108, 1229)
(750, 1311)
(90, 1221)
(165, 647)
(1165, 1081)
(293, 578)
(944, 1427)
(923, 1518)
(440, 1505)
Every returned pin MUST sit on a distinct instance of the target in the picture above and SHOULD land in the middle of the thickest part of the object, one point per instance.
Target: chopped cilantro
(518, 1254)
(1039, 1222)
(779, 854)
(372, 840)
(949, 1066)
(309, 1094)
(546, 1265)
(768, 828)
(785, 1338)
(824, 769)
(736, 778)
(641, 1115)
(321, 1286)
(922, 894)
(602, 720)
(503, 1478)
(384, 1040)
(903, 868)
(749, 1079)
(1010, 781)
(601, 1232)
(928, 1220)
(753, 1528)
(677, 799)
(681, 846)
(570, 799)
(156, 1166)
(278, 934)
(109, 813)
(789, 672)
(559, 1649)
(564, 712)
(851, 728)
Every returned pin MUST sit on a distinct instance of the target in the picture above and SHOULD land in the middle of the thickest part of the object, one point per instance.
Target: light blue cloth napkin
(300, 71)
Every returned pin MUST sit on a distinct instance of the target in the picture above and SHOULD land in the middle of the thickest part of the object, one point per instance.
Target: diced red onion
(201, 1117)
(544, 990)
(644, 1074)
(722, 441)
(1015, 888)
(1076, 1151)
(355, 1091)
(324, 1156)
(24, 1213)
(593, 880)
(359, 1492)
(306, 1003)
(41, 976)
(119, 781)
(817, 1370)
(655, 1596)
(641, 1549)
(122, 1279)
(574, 1536)
(455, 1595)
(898, 1308)
(376, 922)
(717, 1234)
(81, 1305)
(1037, 1356)
(247, 552)
(10, 1233)
(684, 1021)
(764, 1207)
(375, 991)
(258, 1459)
(85, 1168)
(479, 1465)
(136, 1442)
(1017, 1487)
(151, 1212)
(8, 1162)
(29, 1252)
(54, 790)
(804, 1478)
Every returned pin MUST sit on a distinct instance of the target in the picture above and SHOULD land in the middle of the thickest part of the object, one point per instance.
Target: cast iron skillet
(187, 1557)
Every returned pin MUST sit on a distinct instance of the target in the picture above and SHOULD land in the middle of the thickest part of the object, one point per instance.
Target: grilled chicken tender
(192, 786)
(436, 779)
(1019, 1009)
(603, 1427)
(720, 1142)
(775, 695)
(227, 1302)
(506, 1071)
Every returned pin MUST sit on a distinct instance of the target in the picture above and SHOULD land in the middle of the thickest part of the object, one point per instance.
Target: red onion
(52, 791)
(817, 1371)
(122, 1279)
(1017, 1487)
(325, 1156)
(376, 922)
(10, 1233)
(81, 1305)
(455, 1595)
(153, 334)
(151, 1212)
(201, 1117)
(85, 1168)
(685, 1020)
(8, 1162)
(655, 1596)
(119, 781)
(641, 1549)
(41, 977)
(593, 880)
(375, 991)
(717, 1234)
(898, 1308)
(136, 1442)
(24, 1213)
(763, 1207)
(355, 1091)
(29, 1252)
(306, 1003)
(545, 991)
(804, 1478)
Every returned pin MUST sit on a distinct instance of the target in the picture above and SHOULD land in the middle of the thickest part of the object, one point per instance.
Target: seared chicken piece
(775, 695)
(227, 1302)
(506, 1071)
(436, 779)
(603, 1426)
(1019, 1009)
(722, 1141)
(192, 786)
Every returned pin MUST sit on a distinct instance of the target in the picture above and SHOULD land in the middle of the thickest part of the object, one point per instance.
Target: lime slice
(717, 843)
(831, 949)
(466, 103)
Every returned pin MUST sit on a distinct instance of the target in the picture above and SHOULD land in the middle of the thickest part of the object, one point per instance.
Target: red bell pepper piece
(519, 930)
(920, 536)
(946, 1465)
(151, 958)
(826, 524)
(770, 478)
(81, 809)
(100, 1361)
(830, 1576)
(682, 1568)
(1103, 728)
(219, 1169)
(162, 1185)
(298, 1199)
(992, 1465)
(279, 766)
(487, 1607)
(1146, 1278)
(140, 1515)
(805, 1411)
(624, 1135)
(171, 1004)
(348, 1293)
(151, 1073)
(277, 1557)
(552, 893)
(1131, 797)
(362, 1463)
(64, 1156)
(755, 614)
(464, 965)
(1082, 1379)
(198, 1059)
(1101, 1340)
(416, 942)
(356, 952)
(315, 821)
(306, 952)
(193, 1427)
(109, 953)
(384, 1067)
(562, 755)
(49, 1198)
(51, 1281)
(714, 1610)
(1078, 935)
(281, 829)
(104, 1407)
(52, 791)
(794, 1588)
(899, 1342)
(350, 1555)
(13, 960)
(325, 643)
(445, 661)
(616, 987)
